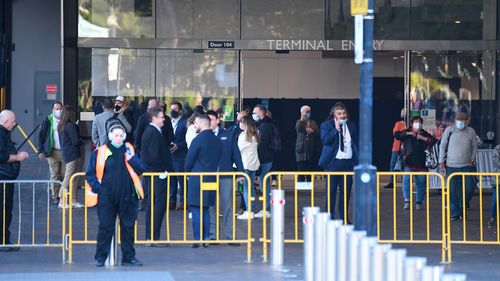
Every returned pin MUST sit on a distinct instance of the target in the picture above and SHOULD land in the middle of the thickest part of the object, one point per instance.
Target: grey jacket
(99, 134)
(462, 147)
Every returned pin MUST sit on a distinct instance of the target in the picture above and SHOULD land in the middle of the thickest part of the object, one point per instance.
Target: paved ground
(180, 262)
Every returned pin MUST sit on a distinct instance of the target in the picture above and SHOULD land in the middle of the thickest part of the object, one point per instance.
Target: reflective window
(207, 78)
(447, 20)
(444, 83)
(282, 19)
(198, 19)
(116, 18)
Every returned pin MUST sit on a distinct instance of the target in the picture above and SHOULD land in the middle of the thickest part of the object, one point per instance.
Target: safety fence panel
(473, 220)
(217, 187)
(35, 221)
(422, 220)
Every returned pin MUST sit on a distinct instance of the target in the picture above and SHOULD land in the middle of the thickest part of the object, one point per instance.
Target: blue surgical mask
(343, 122)
(460, 124)
(308, 115)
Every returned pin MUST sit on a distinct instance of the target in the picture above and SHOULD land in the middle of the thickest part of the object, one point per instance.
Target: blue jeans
(264, 170)
(456, 189)
(251, 175)
(420, 181)
(344, 165)
(394, 159)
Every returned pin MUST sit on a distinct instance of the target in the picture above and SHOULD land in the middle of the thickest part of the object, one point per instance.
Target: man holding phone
(340, 154)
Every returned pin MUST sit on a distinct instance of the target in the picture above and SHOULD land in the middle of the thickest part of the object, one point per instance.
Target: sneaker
(77, 204)
(406, 206)
(190, 215)
(274, 183)
(456, 218)
(420, 207)
(62, 205)
(245, 216)
(261, 214)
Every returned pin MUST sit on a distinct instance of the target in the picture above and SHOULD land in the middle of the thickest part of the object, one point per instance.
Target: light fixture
(457, 22)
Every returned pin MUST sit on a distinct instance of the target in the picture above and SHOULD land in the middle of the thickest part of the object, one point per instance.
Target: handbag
(430, 158)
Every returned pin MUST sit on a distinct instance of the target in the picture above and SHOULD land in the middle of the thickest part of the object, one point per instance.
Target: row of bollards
(334, 251)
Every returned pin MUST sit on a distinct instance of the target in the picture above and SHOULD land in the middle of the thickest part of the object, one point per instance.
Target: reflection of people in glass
(416, 96)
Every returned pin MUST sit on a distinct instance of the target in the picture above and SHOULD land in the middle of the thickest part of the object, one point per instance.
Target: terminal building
(433, 57)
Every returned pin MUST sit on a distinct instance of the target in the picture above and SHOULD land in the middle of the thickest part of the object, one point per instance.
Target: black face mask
(174, 114)
(117, 108)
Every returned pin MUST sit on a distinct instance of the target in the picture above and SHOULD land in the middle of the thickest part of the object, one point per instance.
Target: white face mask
(255, 117)
(417, 125)
(57, 114)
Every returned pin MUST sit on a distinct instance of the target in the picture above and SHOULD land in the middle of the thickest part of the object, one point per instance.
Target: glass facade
(208, 78)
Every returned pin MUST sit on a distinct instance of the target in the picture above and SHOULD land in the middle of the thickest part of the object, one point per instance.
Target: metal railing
(40, 193)
(467, 218)
(170, 225)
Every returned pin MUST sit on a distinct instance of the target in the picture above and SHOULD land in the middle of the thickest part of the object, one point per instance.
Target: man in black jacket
(266, 153)
(156, 155)
(49, 147)
(9, 170)
(143, 122)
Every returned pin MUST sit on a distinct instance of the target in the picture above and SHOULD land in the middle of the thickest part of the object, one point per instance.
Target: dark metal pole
(365, 196)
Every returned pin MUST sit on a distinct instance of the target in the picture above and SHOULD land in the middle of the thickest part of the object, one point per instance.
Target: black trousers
(9, 203)
(305, 166)
(107, 210)
(160, 205)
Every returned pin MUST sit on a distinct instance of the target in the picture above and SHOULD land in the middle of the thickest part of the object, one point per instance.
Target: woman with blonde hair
(248, 141)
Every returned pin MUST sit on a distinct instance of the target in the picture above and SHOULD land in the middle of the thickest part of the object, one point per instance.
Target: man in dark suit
(178, 148)
(203, 156)
(143, 122)
(156, 155)
(340, 154)
(230, 156)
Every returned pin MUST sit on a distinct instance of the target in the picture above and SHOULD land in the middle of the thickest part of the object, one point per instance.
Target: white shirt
(174, 123)
(154, 125)
(190, 135)
(55, 135)
(216, 131)
(347, 153)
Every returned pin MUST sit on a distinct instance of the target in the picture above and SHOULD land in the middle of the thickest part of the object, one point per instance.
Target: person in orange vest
(113, 174)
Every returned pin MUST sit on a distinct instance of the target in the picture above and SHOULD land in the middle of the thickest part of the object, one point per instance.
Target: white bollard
(454, 277)
(378, 260)
(320, 222)
(413, 268)
(353, 266)
(365, 250)
(432, 273)
(341, 251)
(331, 258)
(395, 264)
(309, 214)
(277, 226)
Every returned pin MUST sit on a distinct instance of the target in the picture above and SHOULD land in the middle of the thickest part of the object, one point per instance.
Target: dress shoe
(491, 223)
(389, 186)
(99, 263)
(9, 249)
(234, 244)
(195, 246)
(159, 245)
(132, 262)
(205, 245)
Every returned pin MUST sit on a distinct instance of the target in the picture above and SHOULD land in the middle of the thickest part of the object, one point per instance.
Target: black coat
(155, 151)
(266, 134)
(143, 122)
(70, 142)
(8, 171)
(414, 149)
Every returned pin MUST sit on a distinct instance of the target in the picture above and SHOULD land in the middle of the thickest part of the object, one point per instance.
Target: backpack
(113, 121)
(276, 141)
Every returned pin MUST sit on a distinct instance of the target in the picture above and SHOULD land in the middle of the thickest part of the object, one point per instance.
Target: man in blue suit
(230, 156)
(340, 154)
(203, 156)
(178, 148)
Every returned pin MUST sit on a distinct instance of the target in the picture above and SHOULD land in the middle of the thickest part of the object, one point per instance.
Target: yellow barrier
(442, 239)
(428, 240)
(35, 240)
(491, 238)
(170, 239)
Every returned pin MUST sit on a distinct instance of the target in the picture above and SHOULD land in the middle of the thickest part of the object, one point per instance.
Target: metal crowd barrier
(434, 238)
(170, 223)
(384, 221)
(41, 210)
(483, 237)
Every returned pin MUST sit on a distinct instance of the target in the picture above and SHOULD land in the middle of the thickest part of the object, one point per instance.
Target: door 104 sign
(221, 44)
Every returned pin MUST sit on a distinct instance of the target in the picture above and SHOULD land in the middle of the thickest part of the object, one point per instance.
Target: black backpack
(276, 141)
(113, 121)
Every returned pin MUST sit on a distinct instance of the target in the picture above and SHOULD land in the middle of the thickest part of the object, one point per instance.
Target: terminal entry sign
(359, 7)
